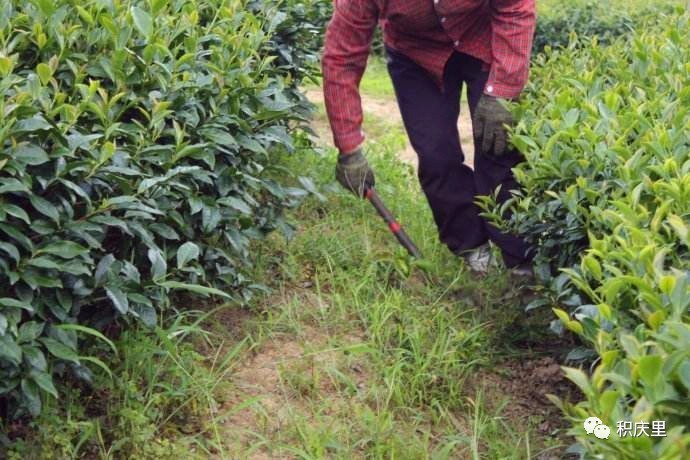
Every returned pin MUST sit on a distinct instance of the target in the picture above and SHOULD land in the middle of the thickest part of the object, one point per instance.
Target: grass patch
(385, 346)
(159, 403)
(376, 81)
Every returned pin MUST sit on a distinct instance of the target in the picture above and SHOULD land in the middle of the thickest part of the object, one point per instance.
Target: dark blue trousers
(430, 115)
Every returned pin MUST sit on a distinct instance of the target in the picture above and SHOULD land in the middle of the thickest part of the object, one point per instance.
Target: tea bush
(606, 20)
(606, 135)
(136, 160)
(298, 38)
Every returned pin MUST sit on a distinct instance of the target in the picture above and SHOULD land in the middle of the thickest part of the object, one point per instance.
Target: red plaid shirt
(499, 32)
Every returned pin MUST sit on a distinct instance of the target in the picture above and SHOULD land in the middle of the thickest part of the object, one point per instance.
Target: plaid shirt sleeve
(346, 49)
(513, 23)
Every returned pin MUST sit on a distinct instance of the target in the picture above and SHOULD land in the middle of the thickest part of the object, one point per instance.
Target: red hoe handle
(371, 195)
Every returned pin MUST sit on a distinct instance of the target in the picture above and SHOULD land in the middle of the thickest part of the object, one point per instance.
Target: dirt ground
(274, 383)
(387, 110)
(528, 381)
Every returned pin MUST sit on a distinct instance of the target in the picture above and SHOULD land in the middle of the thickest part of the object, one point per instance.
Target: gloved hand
(353, 172)
(488, 125)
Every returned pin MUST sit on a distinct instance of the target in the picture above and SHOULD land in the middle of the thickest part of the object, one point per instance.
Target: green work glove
(490, 119)
(353, 172)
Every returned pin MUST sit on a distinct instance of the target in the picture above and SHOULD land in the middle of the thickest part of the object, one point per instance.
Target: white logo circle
(591, 423)
(602, 431)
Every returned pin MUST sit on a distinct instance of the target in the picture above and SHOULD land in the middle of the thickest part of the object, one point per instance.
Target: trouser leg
(491, 171)
(430, 117)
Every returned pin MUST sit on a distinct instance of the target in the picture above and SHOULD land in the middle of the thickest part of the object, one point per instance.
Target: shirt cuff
(502, 91)
(349, 142)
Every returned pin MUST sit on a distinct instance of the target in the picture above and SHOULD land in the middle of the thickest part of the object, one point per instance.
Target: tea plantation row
(558, 20)
(604, 19)
(606, 134)
(136, 144)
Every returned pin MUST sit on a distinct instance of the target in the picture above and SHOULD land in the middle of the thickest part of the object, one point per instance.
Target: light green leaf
(18, 236)
(85, 15)
(9, 350)
(159, 266)
(47, 7)
(44, 72)
(571, 117)
(35, 357)
(680, 227)
(11, 250)
(44, 262)
(649, 368)
(89, 331)
(684, 373)
(30, 154)
(14, 303)
(13, 185)
(98, 363)
(60, 350)
(45, 381)
(236, 203)
(64, 249)
(186, 252)
(593, 266)
(29, 331)
(16, 211)
(35, 123)
(6, 66)
(142, 21)
(118, 298)
(45, 207)
(579, 378)
(196, 288)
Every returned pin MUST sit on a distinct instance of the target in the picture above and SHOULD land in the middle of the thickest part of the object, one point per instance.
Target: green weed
(160, 403)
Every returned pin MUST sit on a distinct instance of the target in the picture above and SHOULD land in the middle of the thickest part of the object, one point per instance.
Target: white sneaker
(478, 260)
(523, 272)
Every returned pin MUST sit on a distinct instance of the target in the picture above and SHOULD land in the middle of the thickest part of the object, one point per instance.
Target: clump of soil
(527, 381)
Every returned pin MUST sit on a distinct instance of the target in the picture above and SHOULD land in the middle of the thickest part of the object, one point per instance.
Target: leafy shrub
(136, 139)
(606, 135)
(298, 38)
(605, 20)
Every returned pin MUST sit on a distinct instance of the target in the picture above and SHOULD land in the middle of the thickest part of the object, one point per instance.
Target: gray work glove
(490, 119)
(353, 172)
